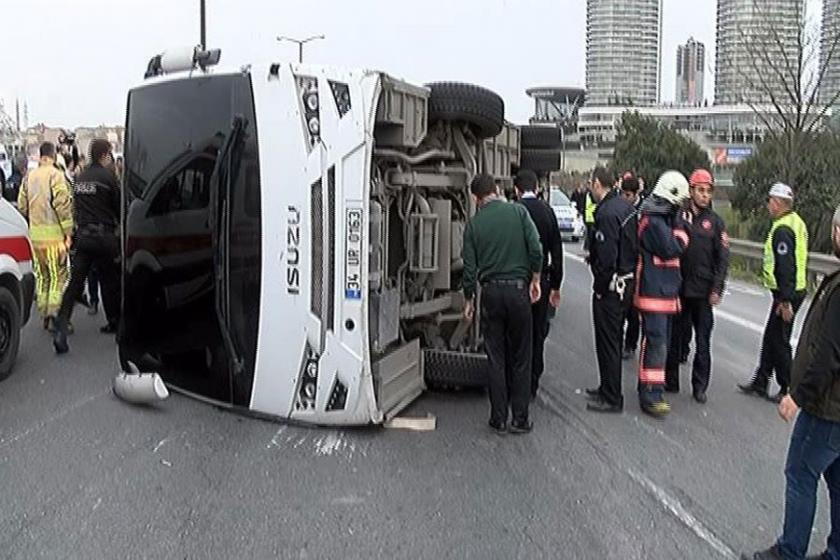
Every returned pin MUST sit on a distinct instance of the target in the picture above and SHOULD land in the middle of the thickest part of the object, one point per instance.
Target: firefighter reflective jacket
(662, 240)
(45, 202)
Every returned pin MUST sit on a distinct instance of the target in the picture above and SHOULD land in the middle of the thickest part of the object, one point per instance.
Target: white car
(569, 220)
(17, 283)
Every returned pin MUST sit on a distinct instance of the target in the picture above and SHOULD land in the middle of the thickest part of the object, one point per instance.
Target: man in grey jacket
(815, 443)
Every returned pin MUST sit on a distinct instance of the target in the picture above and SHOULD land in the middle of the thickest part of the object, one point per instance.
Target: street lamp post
(203, 26)
(300, 43)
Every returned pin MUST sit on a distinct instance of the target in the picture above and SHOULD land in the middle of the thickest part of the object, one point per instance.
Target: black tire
(541, 161)
(482, 109)
(541, 137)
(454, 370)
(10, 322)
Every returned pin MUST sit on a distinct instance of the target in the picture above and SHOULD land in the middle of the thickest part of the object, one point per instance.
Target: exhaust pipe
(139, 388)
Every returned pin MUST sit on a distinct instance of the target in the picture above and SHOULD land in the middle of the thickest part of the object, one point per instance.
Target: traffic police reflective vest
(589, 214)
(792, 221)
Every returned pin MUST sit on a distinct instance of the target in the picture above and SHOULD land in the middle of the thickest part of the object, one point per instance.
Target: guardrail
(818, 263)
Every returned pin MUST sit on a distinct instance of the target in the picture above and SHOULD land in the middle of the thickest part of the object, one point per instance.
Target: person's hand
(554, 298)
(469, 310)
(68, 242)
(535, 291)
(714, 299)
(788, 408)
(785, 309)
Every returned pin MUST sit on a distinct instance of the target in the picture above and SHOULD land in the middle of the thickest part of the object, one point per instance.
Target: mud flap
(398, 379)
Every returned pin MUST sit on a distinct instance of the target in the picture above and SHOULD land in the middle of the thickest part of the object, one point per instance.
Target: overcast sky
(74, 60)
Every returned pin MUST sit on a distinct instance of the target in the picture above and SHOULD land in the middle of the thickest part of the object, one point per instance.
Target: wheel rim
(5, 332)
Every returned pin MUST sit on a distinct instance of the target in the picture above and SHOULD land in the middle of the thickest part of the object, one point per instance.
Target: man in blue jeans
(815, 443)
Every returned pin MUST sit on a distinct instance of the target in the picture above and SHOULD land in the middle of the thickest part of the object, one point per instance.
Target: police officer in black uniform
(630, 188)
(552, 270)
(96, 214)
(704, 267)
(612, 257)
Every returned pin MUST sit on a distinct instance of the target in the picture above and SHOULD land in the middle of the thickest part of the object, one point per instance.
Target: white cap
(780, 190)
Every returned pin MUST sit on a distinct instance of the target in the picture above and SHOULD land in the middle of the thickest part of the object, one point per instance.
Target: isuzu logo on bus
(293, 251)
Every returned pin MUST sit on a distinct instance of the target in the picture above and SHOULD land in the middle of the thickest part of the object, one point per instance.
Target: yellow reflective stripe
(589, 211)
(67, 226)
(46, 232)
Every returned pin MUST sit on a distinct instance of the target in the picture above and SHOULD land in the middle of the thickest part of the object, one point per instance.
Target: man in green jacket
(814, 450)
(502, 253)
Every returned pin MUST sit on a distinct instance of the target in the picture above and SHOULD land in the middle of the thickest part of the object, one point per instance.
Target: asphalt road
(83, 475)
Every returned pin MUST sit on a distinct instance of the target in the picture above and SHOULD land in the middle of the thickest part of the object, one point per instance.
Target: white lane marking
(97, 504)
(160, 444)
(58, 416)
(331, 443)
(674, 506)
(745, 290)
(275, 441)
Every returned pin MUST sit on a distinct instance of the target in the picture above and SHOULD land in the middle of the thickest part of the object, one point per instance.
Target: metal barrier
(818, 264)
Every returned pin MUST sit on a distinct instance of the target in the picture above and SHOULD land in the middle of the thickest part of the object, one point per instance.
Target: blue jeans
(814, 451)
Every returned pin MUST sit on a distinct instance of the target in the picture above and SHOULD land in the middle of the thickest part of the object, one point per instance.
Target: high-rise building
(623, 47)
(753, 39)
(830, 46)
(691, 60)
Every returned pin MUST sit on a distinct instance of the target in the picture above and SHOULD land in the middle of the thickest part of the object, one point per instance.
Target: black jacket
(579, 200)
(96, 198)
(784, 246)
(614, 245)
(705, 263)
(550, 239)
(815, 377)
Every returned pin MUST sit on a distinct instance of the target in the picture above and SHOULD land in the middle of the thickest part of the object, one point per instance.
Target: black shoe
(110, 328)
(771, 553)
(753, 389)
(777, 398)
(60, 341)
(593, 393)
(601, 405)
(521, 427)
(93, 309)
(700, 396)
(499, 429)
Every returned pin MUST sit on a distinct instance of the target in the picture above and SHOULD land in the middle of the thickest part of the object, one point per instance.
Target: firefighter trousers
(656, 329)
(696, 316)
(51, 274)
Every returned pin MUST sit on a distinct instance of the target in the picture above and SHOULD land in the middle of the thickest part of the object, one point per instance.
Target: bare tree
(785, 78)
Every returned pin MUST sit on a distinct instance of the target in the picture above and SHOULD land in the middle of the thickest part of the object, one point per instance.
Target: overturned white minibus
(292, 235)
